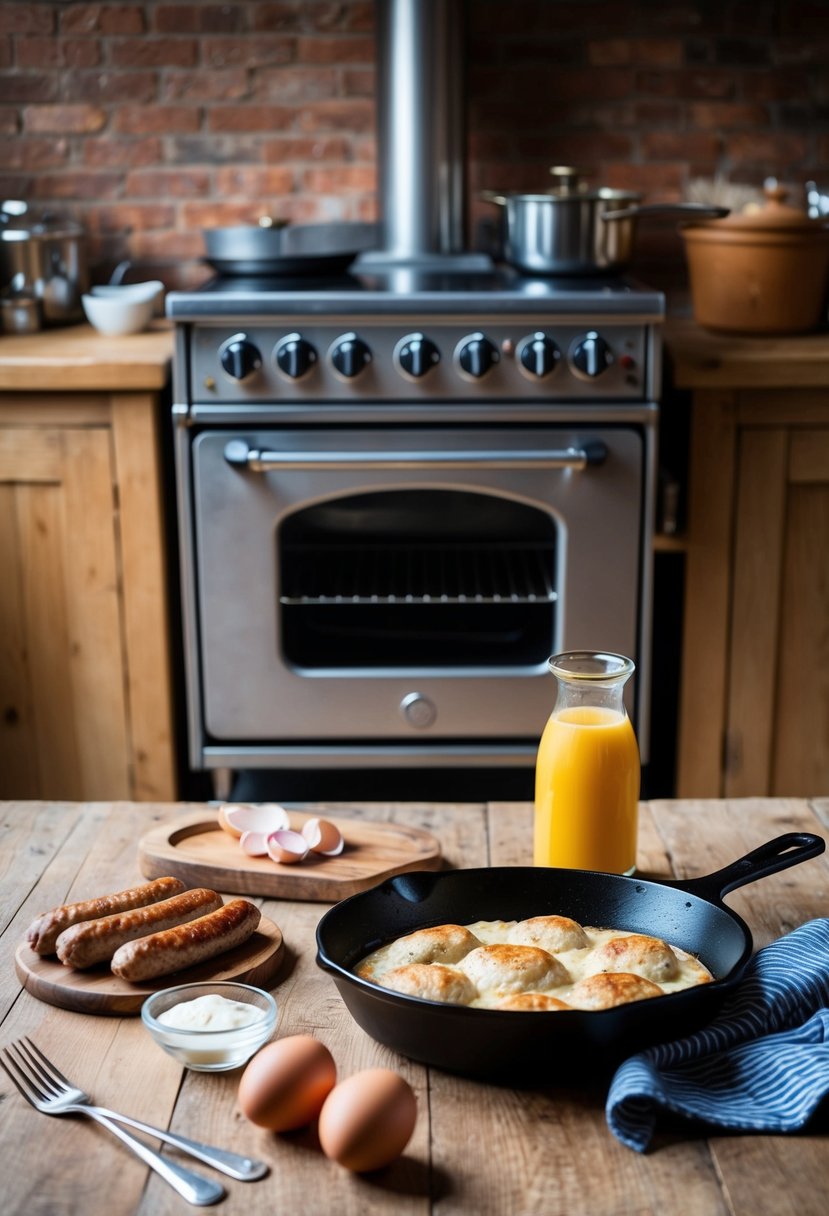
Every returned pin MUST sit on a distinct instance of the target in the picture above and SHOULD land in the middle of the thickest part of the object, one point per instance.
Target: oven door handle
(238, 453)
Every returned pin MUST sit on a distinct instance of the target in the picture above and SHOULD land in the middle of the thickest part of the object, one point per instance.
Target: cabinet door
(777, 737)
(63, 722)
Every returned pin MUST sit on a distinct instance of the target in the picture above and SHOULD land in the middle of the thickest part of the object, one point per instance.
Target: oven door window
(416, 578)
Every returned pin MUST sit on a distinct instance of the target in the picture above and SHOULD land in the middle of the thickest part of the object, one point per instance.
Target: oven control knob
(416, 354)
(476, 355)
(591, 355)
(538, 355)
(239, 357)
(350, 355)
(294, 356)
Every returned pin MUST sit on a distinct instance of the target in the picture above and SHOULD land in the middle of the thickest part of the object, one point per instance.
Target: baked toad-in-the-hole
(505, 959)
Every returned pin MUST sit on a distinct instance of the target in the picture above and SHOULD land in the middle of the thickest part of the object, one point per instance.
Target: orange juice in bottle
(587, 771)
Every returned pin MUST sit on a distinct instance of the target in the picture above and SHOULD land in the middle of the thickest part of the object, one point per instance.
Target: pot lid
(568, 188)
(568, 184)
(19, 223)
(773, 215)
(555, 197)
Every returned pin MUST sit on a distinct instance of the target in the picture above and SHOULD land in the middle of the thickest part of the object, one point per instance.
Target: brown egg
(368, 1119)
(286, 1083)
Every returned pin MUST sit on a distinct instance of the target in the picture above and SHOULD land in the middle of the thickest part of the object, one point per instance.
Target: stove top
(403, 290)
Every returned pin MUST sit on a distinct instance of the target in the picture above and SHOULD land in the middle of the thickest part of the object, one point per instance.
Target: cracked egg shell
(287, 847)
(255, 844)
(323, 837)
(266, 818)
(225, 825)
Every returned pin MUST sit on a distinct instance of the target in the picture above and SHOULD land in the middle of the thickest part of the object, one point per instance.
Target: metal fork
(49, 1091)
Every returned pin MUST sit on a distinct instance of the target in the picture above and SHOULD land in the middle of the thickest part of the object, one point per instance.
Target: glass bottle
(587, 771)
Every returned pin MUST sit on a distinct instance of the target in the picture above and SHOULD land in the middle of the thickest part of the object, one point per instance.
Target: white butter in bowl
(210, 1027)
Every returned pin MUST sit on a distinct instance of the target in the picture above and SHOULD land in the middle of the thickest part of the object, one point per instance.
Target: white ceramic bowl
(152, 289)
(206, 1050)
(121, 314)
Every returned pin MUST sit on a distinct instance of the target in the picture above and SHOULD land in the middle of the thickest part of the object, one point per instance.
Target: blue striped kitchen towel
(761, 1065)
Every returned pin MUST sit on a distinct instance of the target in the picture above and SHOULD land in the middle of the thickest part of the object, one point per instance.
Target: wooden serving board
(195, 849)
(97, 990)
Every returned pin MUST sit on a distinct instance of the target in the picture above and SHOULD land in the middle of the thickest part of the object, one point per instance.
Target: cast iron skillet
(288, 249)
(484, 1042)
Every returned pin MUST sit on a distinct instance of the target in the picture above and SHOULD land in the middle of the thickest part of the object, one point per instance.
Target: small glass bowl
(211, 1050)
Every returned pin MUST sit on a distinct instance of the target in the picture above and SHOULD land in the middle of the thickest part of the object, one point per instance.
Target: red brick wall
(152, 120)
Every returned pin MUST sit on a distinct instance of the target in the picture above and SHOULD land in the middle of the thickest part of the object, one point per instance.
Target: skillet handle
(700, 211)
(778, 854)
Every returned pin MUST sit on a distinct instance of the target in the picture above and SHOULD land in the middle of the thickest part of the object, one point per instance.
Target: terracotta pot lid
(774, 215)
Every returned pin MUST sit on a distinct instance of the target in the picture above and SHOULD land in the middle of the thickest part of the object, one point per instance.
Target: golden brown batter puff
(431, 982)
(439, 944)
(552, 933)
(611, 988)
(507, 968)
(647, 956)
(534, 1002)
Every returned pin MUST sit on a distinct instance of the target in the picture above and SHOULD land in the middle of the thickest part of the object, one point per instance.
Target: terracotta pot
(764, 271)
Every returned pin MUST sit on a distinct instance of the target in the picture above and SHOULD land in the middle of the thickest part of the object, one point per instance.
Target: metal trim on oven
(404, 413)
(368, 755)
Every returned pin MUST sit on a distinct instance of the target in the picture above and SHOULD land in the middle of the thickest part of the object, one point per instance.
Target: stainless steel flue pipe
(420, 123)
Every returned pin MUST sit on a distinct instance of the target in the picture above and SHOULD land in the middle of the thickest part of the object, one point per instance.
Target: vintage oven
(395, 505)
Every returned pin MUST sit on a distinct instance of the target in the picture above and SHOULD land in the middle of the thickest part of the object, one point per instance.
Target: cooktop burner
(404, 289)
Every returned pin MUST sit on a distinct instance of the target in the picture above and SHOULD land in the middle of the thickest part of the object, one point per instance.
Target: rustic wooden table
(477, 1149)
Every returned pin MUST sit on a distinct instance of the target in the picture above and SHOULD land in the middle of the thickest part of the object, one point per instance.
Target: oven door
(377, 585)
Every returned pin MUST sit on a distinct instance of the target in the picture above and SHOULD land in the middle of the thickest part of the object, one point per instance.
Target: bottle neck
(606, 694)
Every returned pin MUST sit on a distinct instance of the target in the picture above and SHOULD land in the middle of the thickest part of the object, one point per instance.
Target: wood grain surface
(702, 359)
(196, 850)
(78, 357)
(477, 1149)
(97, 990)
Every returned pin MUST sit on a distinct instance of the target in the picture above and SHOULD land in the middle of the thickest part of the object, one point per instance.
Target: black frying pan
(484, 1042)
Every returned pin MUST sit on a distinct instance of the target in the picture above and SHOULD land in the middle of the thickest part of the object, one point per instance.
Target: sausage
(43, 932)
(198, 940)
(95, 941)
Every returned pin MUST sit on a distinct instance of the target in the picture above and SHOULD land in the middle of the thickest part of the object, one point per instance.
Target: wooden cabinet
(754, 703)
(85, 700)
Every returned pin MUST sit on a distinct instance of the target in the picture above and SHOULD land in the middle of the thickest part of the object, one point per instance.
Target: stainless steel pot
(43, 257)
(573, 230)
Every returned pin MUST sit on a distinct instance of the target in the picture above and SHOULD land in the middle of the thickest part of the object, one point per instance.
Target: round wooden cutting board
(97, 990)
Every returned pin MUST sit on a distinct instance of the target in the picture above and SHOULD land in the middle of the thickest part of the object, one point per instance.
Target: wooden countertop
(702, 359)
(77, 357)
(477, 1148)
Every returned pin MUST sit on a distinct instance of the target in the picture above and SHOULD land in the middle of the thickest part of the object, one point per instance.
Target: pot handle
(701, 211)
(778, 854)
(492, 196)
